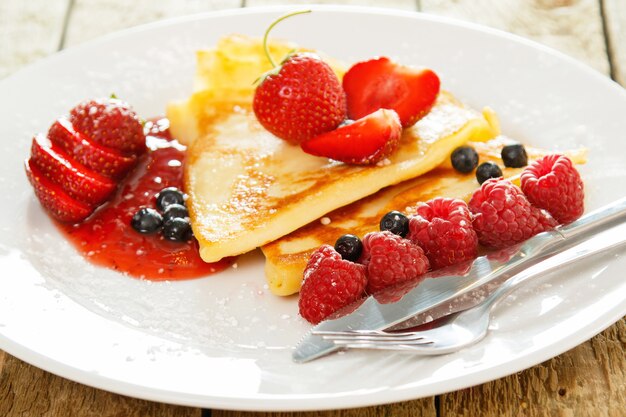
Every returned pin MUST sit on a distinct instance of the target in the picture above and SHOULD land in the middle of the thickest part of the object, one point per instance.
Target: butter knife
(398, 304)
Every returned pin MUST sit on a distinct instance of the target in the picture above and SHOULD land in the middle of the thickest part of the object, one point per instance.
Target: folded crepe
(247, 187)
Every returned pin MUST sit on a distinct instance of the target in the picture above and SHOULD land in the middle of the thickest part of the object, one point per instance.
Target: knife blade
(399, 303)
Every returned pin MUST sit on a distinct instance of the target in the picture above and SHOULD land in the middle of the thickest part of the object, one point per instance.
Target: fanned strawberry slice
(111, 123)
(60, 205)
(365, 141)
(380, 83)
(106, 161)
(76, 180)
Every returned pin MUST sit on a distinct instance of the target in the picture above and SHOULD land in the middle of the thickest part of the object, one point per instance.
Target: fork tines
(369, 337)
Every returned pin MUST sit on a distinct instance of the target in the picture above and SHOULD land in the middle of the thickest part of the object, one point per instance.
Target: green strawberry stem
(280, 19)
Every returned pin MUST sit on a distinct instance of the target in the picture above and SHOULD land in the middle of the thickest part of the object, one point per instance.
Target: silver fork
(467, 327)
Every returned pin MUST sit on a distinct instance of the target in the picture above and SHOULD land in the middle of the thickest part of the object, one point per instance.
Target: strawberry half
(365, 141)
(76, 180)
(53, 198)
(106, 161)
(301, 100)
(380, 83)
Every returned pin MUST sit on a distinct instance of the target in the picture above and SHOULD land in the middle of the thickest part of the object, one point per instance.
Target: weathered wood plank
(93, 18)
(589, 380)
(418, 408)
(394, 4)
(28, 391)
(615, 21)
(29, 30)
(570, 26)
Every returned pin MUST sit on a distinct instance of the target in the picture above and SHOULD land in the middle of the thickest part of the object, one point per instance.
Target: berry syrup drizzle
(106, 237)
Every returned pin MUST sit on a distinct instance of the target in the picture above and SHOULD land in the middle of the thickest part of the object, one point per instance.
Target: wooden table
(589, 380)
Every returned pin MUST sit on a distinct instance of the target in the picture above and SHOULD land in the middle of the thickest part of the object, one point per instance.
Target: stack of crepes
(249, 189)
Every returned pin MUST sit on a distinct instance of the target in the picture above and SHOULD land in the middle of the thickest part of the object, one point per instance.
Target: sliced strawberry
(381, 83)
(111, 123)
(106, 161)
(52, 197)
(76, 180)
(365, 141)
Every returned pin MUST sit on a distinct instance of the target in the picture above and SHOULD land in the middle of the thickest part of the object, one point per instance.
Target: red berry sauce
(106, 237)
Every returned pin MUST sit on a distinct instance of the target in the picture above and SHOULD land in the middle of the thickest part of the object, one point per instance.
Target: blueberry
(169, 195)
(514, 156)
(349, 247)
(177, 230)
(487, 170)
(146, 220)
(464, 159)
(396, 222)
(174, 211)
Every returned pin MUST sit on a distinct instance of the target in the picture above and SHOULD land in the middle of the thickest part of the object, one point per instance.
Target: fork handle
(601, 242)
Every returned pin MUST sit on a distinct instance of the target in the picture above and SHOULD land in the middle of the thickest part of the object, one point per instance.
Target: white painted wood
(570, 26)
(615, 12)
(394, 4)
(93, 18)
(29, 30)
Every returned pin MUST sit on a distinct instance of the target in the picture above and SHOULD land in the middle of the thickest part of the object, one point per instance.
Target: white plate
(224, 341)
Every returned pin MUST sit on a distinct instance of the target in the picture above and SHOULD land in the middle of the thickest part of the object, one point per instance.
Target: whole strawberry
(391, 259)
(553, 184)
(330, 283)
(503, 216)
(443, 228)
(301, 98)
(110, 123)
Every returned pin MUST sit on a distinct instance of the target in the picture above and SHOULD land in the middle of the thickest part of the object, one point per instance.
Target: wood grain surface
(614, 12)
(29, 31)
(589, 380)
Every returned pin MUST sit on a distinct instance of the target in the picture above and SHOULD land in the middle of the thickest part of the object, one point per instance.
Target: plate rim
(268, 402)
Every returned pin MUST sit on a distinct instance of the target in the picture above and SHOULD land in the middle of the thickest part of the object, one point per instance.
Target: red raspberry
(329, 284)
(111, 123)
(503, 216)
(391, 259)
(552, 183)
(443, 228)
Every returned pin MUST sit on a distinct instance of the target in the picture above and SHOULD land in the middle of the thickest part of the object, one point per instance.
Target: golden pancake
(247, 187)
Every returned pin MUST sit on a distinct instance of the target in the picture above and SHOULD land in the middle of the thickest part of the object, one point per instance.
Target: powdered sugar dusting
(229, 311)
